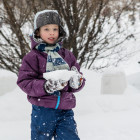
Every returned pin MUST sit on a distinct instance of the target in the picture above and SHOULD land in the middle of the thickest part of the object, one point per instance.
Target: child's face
(49, 33)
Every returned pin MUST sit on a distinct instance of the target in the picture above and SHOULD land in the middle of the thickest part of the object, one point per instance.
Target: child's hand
(52, 85)
(76, 80)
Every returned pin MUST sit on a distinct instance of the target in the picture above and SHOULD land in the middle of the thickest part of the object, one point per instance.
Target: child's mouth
(51, 39)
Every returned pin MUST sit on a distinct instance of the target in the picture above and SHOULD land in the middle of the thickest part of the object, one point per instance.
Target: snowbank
(7, 81)
(113, 82)
(134, 80)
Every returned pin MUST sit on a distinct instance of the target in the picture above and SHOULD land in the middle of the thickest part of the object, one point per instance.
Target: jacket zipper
(58, 102)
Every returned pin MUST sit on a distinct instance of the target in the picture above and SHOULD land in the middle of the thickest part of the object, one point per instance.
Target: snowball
(59, 75)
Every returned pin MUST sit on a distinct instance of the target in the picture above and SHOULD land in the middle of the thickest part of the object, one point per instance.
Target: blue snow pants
(47, 123)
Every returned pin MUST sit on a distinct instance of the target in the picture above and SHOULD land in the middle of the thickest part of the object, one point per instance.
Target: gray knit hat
(48, 17)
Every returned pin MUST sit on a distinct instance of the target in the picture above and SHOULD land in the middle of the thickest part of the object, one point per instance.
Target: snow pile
(94, 101)
(107, 116)
(14, 116)
(113, 82)
(7, 81)
(134, 80)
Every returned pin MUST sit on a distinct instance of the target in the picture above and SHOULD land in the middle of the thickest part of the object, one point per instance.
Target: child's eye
(55, 29)
(47, 29)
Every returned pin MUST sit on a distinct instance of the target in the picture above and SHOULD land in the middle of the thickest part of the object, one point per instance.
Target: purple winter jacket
(31, 81)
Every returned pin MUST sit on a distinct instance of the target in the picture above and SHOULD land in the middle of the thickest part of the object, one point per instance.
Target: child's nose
(51, 33)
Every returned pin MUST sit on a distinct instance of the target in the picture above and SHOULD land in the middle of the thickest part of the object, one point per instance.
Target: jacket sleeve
(74, 63)
(28, 79)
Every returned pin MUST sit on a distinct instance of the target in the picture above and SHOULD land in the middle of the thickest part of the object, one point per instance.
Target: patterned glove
(76, 80)
(52, 85)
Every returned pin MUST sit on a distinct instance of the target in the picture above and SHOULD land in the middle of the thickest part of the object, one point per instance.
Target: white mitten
(52, 85)
(76, 80)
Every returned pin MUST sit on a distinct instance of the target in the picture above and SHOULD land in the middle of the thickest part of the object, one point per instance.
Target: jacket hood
(33, 42)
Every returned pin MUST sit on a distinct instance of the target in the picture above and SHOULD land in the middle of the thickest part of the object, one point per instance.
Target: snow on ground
(98, 116)
(14, 108)
(7, 81)
(107, 117)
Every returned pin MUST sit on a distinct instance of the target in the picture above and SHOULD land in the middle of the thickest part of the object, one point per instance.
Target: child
(52, 101)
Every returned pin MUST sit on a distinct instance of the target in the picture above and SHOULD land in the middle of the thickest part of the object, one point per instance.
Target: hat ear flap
(37, 33)
(36, 36)
(62, 33)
